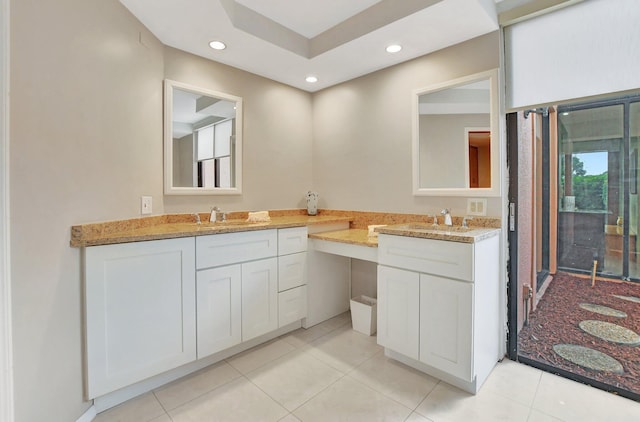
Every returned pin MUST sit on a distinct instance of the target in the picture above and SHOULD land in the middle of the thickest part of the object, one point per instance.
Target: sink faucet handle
(213, 217)
(435, 220)
(447, 217)
(465, 221)
(197, 216)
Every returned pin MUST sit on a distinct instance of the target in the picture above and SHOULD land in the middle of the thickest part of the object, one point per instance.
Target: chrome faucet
(217, 215)
(465, 221)
(447, 217)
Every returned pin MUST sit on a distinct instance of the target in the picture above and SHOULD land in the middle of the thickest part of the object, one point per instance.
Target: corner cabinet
(139, 311)
(438, 306)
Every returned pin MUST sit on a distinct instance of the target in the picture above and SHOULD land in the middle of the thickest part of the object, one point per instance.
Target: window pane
(590, 177)
(205, 143)
(223, 138)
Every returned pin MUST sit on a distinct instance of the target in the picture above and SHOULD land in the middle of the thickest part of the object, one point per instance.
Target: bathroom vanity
(438, 303)
(167, 299)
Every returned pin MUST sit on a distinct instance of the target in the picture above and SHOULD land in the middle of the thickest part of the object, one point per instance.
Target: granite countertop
(181, 225)
(168, 226)
(358, 237)
(440, 232)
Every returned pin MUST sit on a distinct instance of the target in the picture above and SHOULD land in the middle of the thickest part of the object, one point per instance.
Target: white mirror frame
(495, 189)
(169, 189)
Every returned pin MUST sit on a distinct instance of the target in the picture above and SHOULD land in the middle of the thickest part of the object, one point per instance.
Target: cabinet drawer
(231, 248)
(292, 240)
(292, 305)
(439, 257)
(292, 271)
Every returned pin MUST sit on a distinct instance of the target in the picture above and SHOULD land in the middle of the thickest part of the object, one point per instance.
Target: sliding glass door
(598, 189)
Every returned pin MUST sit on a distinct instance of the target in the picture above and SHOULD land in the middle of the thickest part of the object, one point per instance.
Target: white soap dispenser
(312, 203)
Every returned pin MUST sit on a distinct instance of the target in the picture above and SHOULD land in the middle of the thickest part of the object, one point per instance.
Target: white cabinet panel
(398, 310)
(449, 259)
(140, 311)
(218, 309)
(446, 327)
(231, 248)
(292, 240)
(259, 298)
(292, 305)
(292, 271)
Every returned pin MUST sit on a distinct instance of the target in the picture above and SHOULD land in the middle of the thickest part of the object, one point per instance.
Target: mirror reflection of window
(203, 136)
(202, 141)
(213, 156)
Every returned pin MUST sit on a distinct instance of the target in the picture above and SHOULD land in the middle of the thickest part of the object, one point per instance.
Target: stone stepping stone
(588, 358)
(628, 298)
(610, 332)
(603, 310)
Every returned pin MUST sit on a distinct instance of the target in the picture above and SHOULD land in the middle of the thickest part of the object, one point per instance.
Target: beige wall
(86, 143)
(362, 132)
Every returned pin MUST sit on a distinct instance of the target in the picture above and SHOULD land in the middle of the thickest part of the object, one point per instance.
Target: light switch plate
(146, 205)
(477, 206)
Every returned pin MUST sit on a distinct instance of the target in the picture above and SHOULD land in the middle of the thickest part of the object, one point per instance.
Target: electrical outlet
(146, 205)
(477, 206)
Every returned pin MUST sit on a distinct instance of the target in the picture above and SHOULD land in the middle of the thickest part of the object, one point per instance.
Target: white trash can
(364, 314)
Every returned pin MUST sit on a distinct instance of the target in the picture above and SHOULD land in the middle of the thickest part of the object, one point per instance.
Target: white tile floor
(332, 373)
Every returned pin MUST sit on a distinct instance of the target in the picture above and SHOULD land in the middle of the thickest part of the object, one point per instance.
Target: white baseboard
(88, 415)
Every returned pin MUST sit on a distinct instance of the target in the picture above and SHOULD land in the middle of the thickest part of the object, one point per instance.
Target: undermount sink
(229, 223)
(431, 228)
(208, 224)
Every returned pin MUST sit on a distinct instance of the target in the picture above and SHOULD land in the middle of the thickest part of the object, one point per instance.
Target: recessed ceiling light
(311, 79)
(217, 45)
(565, 113)
(394, 48)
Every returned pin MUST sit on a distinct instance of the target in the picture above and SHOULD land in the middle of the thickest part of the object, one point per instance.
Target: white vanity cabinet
(237, 291)
(139, 311)
(156, 310)
(292, 275)
(438, 306)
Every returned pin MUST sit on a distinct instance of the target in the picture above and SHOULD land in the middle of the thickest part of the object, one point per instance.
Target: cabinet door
(140, 311)
(259, 298)
(398, 310)
(218, 309)
(446, 326)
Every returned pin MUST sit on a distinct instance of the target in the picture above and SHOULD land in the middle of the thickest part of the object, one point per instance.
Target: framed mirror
(202, 141)
(456, 149)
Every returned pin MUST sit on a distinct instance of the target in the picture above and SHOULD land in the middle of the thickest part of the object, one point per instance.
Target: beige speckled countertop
(358, 237)
(180, 225)
(441, 232)
(169, 226)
